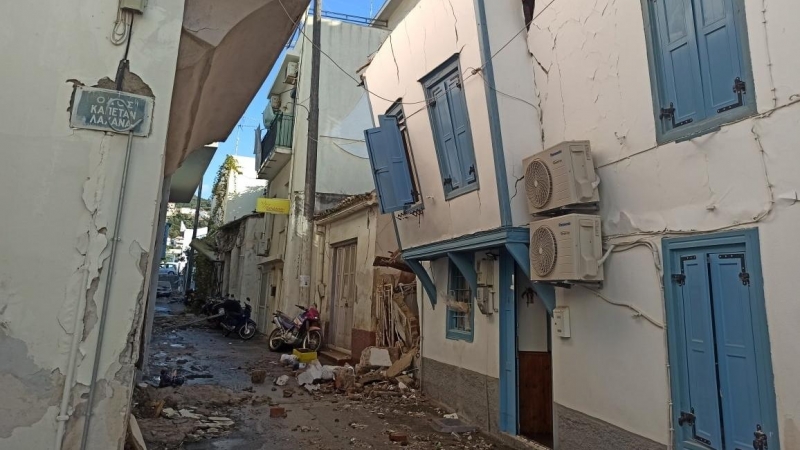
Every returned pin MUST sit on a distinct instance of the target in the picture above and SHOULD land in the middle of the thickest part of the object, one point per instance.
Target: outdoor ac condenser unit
(291, 73)
(561, 177)
(566, 248)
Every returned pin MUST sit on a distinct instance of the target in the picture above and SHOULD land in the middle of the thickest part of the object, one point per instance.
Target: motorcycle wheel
(313, 340)
(275, 341)
(248, 330)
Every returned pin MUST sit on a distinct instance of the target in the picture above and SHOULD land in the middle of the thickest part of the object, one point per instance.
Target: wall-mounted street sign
(114, 111)
(273, 205)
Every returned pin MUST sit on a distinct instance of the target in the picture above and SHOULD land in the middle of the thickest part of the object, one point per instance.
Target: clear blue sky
(252, 116)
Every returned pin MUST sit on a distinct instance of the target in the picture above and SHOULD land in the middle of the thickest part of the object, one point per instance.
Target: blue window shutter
(719, 52)
(463, 136)
(700, 351)
(682, 87)
(443, 128)
(398, 163)
(381, 170)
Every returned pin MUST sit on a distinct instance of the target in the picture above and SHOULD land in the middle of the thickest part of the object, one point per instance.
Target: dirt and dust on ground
(217, 405)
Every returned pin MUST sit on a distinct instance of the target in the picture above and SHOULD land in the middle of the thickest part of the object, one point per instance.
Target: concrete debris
(451, 416)
(402, 386)
(189, 415)
(258, 376)
(375, 357)
(282, 380)
(328, 373)
(449, 425)
(396, 436)
(170, 413)
(357, 426)
(312, 373)
(277, 412)
(402, 364)
(288, 360)
(135, 439)
(312, 387)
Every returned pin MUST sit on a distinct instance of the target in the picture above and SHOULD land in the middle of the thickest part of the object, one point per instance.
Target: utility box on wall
(561, 321)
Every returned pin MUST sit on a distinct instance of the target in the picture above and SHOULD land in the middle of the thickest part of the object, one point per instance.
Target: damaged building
(599, 202)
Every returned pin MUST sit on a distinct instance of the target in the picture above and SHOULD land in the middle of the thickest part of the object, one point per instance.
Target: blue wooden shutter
(738, 378)
(719, 52)
(700, 355)
(463, 135)
(443, 128)
(677, 52)
(382, 148)
(398, 162)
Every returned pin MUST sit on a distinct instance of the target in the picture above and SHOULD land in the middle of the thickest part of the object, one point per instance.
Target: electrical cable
(427, 101)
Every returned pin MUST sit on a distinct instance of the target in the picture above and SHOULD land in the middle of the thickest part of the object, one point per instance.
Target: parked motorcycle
(302, 331)
(238, 319)
(213, 308)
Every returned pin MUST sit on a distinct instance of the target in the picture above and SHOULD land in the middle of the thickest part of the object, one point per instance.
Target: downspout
(77, 331)
(501, 177)
(106, 294)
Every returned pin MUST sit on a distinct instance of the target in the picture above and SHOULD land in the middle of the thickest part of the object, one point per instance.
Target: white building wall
(592, 78)
(431, 33)
(480, 355)
(59, 188)
(342, 165)
(244, 189)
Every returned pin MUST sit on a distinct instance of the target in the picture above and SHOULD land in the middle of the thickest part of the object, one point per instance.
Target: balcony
(276, 147)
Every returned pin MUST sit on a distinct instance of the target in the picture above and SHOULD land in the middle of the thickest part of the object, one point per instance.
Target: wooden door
(344, 295)
(536, 396)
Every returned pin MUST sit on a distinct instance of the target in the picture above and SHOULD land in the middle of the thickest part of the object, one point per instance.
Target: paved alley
(218, 391)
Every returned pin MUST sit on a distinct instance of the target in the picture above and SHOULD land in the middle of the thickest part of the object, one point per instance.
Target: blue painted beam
(425, 279)
(546, 292)
(466, 266)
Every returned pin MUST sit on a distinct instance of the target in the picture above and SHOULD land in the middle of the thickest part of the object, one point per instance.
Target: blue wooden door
(722, 408)
(698, 327)
(738, 377)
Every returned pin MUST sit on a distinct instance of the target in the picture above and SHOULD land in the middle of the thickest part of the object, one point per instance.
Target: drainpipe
(107, 294)
(494, 116)
(77, 331)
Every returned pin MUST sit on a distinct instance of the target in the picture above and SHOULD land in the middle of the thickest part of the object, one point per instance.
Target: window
(447, 108)
(700, 65)
(460, 314)
(390, 168)
(396, 110)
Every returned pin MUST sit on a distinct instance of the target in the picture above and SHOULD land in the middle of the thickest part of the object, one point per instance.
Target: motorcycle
(302, 331)
(238, 319)
(213, 308)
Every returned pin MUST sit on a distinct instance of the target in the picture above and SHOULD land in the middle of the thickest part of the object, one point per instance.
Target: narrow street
(219, 407)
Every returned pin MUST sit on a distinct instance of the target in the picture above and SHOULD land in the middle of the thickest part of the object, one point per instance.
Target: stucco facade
(582, 72)
(343, 167)
(63, 187)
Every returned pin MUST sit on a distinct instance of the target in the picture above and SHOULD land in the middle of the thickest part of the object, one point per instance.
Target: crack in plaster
(455, 19)
(394, 58)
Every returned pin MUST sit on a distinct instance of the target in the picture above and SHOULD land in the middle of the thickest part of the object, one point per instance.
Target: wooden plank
(535, 394)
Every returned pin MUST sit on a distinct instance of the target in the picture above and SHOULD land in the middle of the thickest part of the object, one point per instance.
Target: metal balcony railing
(279, 134)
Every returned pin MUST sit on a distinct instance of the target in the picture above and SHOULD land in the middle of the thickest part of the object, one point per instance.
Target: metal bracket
(760, 442)
(669, 113)
(739, 88)
(686, 418)
(679, 278)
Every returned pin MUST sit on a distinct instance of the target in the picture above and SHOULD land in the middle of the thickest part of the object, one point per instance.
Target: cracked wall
(62, 187)
(592, 82)
(432, 32)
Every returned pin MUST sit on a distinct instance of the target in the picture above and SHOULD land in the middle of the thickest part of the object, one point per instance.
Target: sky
(244, 130)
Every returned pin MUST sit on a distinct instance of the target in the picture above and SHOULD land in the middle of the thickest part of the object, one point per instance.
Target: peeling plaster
(28, 389)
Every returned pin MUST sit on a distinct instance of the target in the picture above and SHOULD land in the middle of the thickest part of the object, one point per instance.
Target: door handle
(686, 418)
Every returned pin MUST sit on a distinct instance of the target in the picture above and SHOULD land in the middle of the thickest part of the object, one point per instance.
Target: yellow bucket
(304, 355)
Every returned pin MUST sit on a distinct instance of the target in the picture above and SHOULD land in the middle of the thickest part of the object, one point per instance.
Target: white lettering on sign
(116, 113)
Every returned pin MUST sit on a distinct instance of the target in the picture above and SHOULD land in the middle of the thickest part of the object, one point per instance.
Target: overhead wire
(472, 71)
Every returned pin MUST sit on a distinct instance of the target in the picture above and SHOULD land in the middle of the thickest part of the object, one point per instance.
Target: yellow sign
(273, 205)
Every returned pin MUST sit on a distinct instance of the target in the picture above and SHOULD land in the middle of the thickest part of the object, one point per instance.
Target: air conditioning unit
(567, 248)
(291, 73)
(562, 177)
(275, 101)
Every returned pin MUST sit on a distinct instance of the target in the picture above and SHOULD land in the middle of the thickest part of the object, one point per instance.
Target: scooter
(238, 319)
(213, 308)
(303, 331)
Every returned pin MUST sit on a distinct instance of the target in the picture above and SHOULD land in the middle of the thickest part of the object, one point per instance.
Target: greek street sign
(114, 111)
